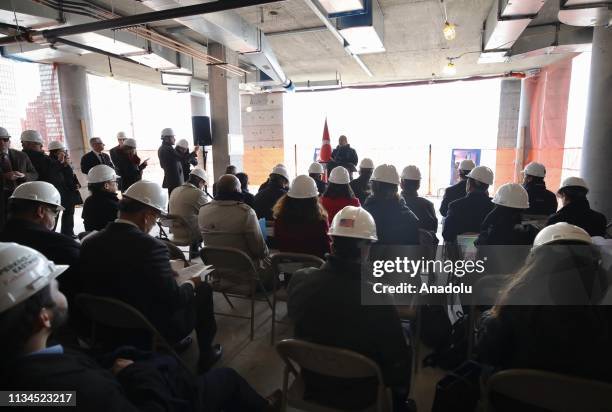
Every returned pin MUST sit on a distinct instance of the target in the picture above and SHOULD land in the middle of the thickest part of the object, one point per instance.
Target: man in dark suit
(96, 156)
(47, 169)
(171, 161)
(140, 274)
(114, 152)
(457, 191)
(344, 155)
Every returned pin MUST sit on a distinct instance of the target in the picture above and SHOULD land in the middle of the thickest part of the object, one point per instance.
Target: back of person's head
(277, 180)
(244, 180)
(231, 170)
(228, 184)
(384, 191)
(39, 202)
(573, 189)
(339, 191)
(410, 185)
(476, 186)
(143, 203)
(194, 180)
(301, 204)
(352, 230)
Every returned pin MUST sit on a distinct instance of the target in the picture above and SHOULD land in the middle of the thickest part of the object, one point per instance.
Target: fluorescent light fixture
(341, 6)
(175, 79)
(362, 40)
(493, 57)
(153, 61)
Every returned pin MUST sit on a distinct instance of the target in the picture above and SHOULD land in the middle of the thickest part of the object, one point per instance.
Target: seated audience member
(229, 170)
(188, 158)
(135, 380)
(541, 200)
(186, 201)
(458, 190)
(576, 209)
(300, 222)
(67, 184)
(247, 197)
(502, 226)
(326, 306)
(395, 222)
(264, 184)
(266, 198)
(227, 221)
(467, 214)
(338, 193)
(421, 207)
(140, 274)
(128, 164)
(361, 186)
(316, 172)
(548, 317)
(102, 206)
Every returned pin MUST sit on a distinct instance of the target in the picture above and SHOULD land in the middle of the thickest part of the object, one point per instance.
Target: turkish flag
(326, 150)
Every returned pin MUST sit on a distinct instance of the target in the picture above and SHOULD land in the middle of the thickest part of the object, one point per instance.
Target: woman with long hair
(300, 222)
(338, 193)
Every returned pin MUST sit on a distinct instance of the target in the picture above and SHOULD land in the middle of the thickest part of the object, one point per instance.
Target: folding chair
(116, 314)
(328, 361)
(168, 223)
(515, 389)
(235, 275)
(175, 252)
(287, 264)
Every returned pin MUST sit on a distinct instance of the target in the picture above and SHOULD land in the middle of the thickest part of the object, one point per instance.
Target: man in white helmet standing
(171, 161)
(128, 164)
(140, 274)
(458, 190)
(541, 200)
(121, 138)
(325, 304)
(361, 186)
(32, 144)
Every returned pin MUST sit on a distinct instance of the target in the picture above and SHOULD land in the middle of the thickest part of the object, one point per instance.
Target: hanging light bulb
(450, 69)
(449, 31)
(249, 109)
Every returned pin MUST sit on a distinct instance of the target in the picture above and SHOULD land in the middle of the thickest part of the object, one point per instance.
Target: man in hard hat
(344, 155)
(96, 156)
(264, 184)
(395, 222)
(102, 207)
(186, 201)
(325, 304)
(265, 199)
(541, 200)
(121, 138)
(228, 222)
(171, 161)
(361, 186)
(188, 158)
(458, 190)
(128, 164)
(421, 207)
(315, 170)
(33, 210)
(466, 215)
(140, 274)
(247, 196)
(576, 209)
(32, 144)
(67, 184)
(129, 379)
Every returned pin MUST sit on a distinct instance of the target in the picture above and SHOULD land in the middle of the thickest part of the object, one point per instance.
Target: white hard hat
(512, 195)
(167, 132)
(386, 173)
(561, 231)
(149, 193)
(23, 272)
(130, 143)
(303, 187)
(467, 164)
(411, 173)
(366, 163)
(316, 167)
(280, 170)
(353, 222)
(183, 143)
(31, 136)
(483, 174)
(39, 191)
(573, 181)
(340, 176)
(56, 145)
(101, 173)
(535, 169)
(4, 132)
(201, 173)
(121, 135)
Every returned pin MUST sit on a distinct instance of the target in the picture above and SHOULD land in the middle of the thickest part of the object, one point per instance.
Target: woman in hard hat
(129, 165)
(67, 184)
(338, 193)
(549, 316)
(102, 206)
(300, 222)
(188, 158)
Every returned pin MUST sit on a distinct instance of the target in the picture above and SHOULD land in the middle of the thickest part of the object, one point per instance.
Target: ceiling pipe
(296, 31)
(136, 19)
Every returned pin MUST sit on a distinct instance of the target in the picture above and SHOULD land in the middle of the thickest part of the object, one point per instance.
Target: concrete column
(523, 138)
(224, 109)
(596, 165)
(510, 97)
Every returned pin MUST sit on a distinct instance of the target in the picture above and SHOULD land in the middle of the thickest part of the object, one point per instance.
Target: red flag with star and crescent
(326, 150)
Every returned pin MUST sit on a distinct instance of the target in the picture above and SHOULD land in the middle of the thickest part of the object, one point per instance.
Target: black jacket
(466, 215)
(188, 160)
(266, 199)
(130, 173)
(68, 185)
(579, 213)
(321, 186)
(326, 306)
(139, 387)
(99, 210)
(139, 274)
(48, 170)
(503, 227)
(170, 160)
(541, 200)
(345, 155)
(362, 188)
(90, 160)
(395, 222)
(452, 193)
(248, 198)
(423, 209)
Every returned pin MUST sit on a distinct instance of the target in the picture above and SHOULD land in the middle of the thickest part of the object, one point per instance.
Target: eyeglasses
(5, 139)
(54, 210)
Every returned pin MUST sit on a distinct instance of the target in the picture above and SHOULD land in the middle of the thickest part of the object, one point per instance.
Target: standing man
(458, 190)
(121, 137)
(96, 156)
(171, 161)
(541, 200)
(32, 143)
(344, 155)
